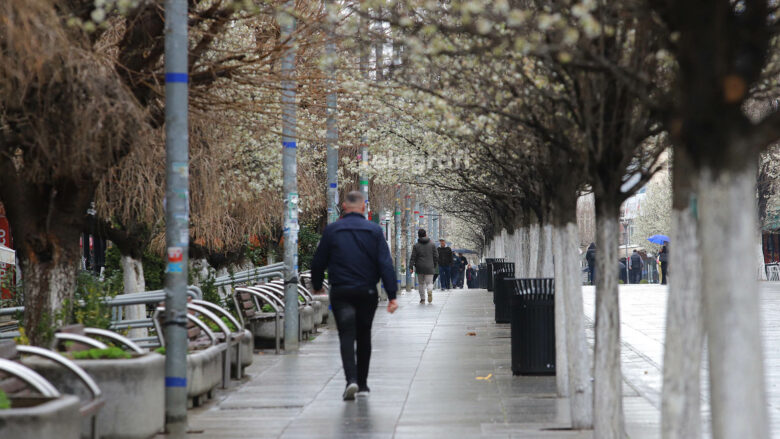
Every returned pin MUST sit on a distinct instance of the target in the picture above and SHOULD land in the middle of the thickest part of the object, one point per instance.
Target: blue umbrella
(658, 239)
(463, 250)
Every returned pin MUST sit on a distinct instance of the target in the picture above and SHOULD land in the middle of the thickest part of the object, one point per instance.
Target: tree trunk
(561, 359)
(577, 352)
(759, 254)
(133, 278)
(731, 304)
(47, 285)
(681, 397)
(608, 393)
(546, 251)
(522, 259)
(533, 249)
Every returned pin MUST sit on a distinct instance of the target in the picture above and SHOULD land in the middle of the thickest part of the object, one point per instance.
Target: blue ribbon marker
(289, 144)
(334, 185)
(177, 77)
(175, 382)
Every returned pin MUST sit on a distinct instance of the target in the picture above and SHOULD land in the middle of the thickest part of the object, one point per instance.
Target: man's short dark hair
(421, 233)
(355, 197)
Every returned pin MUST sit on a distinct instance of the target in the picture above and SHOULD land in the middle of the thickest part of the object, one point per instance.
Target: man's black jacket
(445, 256)
(356, 255)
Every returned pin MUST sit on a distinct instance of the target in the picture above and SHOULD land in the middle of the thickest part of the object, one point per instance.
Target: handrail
(219, 310)
(68, 364)
(265, 297)
(29, 376)
(65, 336)
(270, 293)
(202, 325)
(211, 316)
(115, 337)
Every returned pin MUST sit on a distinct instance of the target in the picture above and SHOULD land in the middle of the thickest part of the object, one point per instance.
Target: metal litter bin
(502, 290)
(533, 325)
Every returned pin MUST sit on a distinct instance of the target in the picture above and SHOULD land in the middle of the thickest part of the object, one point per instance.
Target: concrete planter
(41, 418)
(324, 300)
(317, 317)
(307, 319)
(246, 346)
(134, 390)
(204, 372)
(262, 326)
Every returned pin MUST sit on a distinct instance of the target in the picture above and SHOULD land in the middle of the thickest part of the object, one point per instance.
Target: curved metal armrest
(111, 335)
(269, 295)
(198, 322)
(202, 325)
(66, 363)
(30, 377)
(269, 299)
(83, 339)
(213, 317)
(302, 292)
(195, 292)
(219, 311)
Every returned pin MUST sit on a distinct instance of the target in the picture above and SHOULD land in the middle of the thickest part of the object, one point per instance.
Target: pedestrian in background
(663, 258)
(454, 270)
(590, 257)
(635, 267)
(464, 263)
(356, 255)
(445, 263)
(424, 259)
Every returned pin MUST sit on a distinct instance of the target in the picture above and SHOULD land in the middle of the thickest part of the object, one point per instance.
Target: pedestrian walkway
(438, 371)
(642, 332)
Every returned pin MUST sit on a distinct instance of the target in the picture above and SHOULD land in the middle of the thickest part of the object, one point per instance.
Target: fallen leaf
(485, 377)
(472, 334)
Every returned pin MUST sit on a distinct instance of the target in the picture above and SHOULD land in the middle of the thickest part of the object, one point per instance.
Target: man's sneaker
(430, 296)
(422, 301)
(363, 391)
(349, 392)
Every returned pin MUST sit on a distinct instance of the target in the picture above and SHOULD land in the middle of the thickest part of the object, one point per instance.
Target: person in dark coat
(445, 264)
(424, 260)
(463, 264)
(356, 255)
(471, 277)
(455, 271)
(663, 258)
(635, 267)
(590, 257)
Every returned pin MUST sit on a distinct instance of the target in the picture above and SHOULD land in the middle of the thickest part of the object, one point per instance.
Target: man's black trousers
(354, 312)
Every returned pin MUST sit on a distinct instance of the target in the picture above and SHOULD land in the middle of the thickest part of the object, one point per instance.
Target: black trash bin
(502, 291)
(482, 276)
(533, 326)
(492, 264)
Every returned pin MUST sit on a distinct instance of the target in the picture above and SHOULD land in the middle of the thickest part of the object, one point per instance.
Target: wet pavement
(642, 316)
(438, 370)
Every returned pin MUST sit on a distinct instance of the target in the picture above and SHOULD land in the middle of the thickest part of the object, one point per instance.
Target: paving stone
(429, 379)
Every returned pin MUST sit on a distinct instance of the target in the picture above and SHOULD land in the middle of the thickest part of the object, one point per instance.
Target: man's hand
(392, 306)
(320, 291)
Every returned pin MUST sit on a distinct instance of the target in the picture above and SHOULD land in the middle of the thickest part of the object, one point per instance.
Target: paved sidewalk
(642, 331)
(429, 379)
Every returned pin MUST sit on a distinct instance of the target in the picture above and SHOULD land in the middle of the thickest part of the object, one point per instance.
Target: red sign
(175, 254)
(7, 272)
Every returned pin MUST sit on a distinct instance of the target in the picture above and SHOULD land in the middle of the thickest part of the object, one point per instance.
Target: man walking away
(423, 260)
(445, 263)
(356, 255)
(636, 267)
